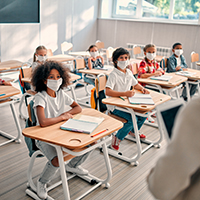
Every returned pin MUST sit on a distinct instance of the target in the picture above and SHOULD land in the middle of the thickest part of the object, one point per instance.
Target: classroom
(106, 46)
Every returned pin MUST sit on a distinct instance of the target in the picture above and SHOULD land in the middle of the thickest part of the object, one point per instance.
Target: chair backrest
(166, 116)
(49, 53)
(109, 52)
(163, 63)
(66, 46)
(79, 64)
(194, 57)
(136, 50)
(99, 44)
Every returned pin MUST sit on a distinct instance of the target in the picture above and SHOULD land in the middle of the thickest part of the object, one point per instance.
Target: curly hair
(117, 53)
(41, 73)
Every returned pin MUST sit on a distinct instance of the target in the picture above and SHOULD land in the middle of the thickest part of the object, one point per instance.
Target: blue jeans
(89, 80)
(128, 126)
(192, 90)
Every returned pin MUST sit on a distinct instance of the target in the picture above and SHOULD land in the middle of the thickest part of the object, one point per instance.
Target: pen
(99, 133)
(122, 98)
(2, 95)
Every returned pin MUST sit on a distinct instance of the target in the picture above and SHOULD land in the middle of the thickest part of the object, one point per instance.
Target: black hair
(41, 73)
(176, 44)
(117, 53)
(91, 46)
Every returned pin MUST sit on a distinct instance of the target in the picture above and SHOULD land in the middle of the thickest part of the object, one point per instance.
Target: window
(175, 10)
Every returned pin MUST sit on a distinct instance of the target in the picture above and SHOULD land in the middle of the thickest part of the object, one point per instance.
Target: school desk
(5, 93)
(141, 110)
(61, 58)
(167, 86)
(10, 65)
(73, 143)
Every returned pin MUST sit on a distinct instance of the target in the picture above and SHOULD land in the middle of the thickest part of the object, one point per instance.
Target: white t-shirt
(53, 106)
(178, 61)
(121, 82)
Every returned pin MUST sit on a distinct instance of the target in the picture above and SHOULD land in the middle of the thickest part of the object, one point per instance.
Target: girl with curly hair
(50, 108)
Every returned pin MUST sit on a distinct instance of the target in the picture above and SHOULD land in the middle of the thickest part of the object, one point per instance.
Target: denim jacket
(172, 63)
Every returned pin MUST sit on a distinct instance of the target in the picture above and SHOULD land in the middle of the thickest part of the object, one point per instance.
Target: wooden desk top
(10, 64)
(73, 140)
(157, 97)
(97, 71)
(158, 58)
(61, 58)
(173, 82)
(80, 53)
(72, 78)
(196, 76)
(9, 91)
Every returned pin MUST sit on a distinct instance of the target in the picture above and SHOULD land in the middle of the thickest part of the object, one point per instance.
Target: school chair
(194, 60)
(109, 52)
(136, 51)
(49, 53)
(66, 46)
(99, 44)
(163, 63)
(25, 72)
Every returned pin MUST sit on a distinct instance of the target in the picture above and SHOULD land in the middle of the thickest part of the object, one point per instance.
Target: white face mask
(42, 58)
(178, 52)
(54, 84)
(150, 56)
(94, 54)
(122, 64)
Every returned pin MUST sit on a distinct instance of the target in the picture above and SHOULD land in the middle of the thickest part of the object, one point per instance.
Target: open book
(161, 78)
(140, 98)
(82, 123)
(185, 73)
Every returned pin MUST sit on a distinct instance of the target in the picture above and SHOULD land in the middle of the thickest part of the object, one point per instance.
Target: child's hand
(178, 68)
(129, 93)
(158, 73)
(66, 116)
(145, 91)
(185, 69)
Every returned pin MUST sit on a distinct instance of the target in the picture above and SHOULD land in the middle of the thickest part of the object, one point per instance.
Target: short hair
(91, 46)
(36, 51)
(176, 44)
(148, 46)
(117, 53)
(41, 73)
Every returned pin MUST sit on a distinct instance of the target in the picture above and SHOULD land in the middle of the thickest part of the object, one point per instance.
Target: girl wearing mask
(148, 66)
(94, 61)
(119, 84)
(39, 57)
(50, 108)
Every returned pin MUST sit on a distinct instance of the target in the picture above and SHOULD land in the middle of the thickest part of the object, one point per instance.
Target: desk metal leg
(10, 137)
(63, 173)
(188, 91)
(72, 86)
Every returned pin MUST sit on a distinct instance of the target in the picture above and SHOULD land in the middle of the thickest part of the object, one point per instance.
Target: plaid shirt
(95, 63)
(148, 67)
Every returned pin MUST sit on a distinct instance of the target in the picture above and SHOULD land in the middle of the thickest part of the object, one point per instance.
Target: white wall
(117, 33)
(63, 20)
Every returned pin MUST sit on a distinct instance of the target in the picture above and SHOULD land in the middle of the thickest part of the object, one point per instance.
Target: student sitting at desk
(95, 61)
(50, 106)
(39, 57)
(177, 63)
(176, 175)
(3, 82)
(149, 67)
(119, 84)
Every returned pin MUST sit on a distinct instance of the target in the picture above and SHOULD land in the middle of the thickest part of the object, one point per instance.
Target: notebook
(161, 78)
(185, 73)
(140, 98)
(82, 124)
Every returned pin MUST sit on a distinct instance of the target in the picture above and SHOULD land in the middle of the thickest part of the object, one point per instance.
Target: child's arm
(90, 63)
(102, 60)
(43, 121)
(147, 75)
(142, 89)
(113, 93)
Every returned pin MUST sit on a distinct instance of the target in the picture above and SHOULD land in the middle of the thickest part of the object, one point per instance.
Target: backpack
(94, 100)
(31, 121)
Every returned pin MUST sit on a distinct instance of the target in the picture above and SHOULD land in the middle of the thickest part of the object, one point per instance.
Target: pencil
(99, 133)
(122, 98)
